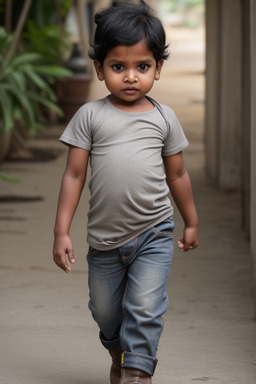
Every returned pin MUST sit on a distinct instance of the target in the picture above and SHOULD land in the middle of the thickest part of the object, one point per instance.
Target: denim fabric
(128, 294)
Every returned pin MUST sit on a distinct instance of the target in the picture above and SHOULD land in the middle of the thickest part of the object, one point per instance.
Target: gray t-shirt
(128, 186)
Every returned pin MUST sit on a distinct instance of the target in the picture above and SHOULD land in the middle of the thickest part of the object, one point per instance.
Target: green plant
(43, 13)
(8, 179)
(46, 41)
(25, 86)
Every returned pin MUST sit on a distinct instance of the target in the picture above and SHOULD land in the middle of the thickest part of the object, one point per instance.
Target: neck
(144, 105)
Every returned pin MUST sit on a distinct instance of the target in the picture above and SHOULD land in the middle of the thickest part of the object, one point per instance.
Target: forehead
(138, 52)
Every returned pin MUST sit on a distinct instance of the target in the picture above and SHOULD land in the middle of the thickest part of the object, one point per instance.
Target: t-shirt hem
(176, 150)
(109, 247)
(74, 142)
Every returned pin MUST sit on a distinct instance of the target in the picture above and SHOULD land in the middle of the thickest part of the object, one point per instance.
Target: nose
(130, 77)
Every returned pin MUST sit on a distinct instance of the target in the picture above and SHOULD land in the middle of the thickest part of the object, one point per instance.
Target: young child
(128, 137)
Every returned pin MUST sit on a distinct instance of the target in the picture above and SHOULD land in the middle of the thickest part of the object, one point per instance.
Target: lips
(130, 91)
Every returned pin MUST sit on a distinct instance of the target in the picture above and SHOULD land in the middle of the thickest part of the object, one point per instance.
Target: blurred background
(210, 82)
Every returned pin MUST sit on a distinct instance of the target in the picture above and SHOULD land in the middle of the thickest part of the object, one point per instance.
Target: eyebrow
(144, 60)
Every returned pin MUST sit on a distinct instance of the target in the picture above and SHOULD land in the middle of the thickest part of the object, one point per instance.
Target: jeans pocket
(165, 228)
(92, 251)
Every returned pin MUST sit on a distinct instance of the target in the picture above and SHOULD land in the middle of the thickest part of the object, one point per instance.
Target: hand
(63, 250)
(189, 240)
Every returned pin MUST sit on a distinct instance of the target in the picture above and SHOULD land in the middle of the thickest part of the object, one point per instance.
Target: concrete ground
(47, 333)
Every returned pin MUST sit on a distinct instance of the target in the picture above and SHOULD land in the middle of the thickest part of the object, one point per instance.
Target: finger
(189, 247)
(185, 248)
(193, 246)
(71, 256)
(64, 265)
(181, 243)
(62, 262)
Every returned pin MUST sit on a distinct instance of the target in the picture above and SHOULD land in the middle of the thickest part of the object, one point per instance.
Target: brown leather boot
(134, 376)
(115, 370)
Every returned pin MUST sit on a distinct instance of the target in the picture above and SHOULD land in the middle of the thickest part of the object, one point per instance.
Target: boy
(128, 137)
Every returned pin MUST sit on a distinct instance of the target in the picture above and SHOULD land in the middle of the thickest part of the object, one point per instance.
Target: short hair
(127, 24)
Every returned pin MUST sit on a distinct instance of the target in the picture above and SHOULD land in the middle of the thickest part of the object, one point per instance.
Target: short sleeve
(175, 140)
(78, 131)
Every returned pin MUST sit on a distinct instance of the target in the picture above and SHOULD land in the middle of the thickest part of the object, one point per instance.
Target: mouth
(130, 91)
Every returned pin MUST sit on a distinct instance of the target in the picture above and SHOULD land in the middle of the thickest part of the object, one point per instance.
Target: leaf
(24, 102)
(5, 39)
(26, 58)
(53, 70)
(19, 80)
(5, 71)
(40, 83)
(34, 96)
(6, 109)
(9, 179)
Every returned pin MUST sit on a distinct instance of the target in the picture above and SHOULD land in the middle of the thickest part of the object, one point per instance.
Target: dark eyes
(117, 67)
(120, 67)
(143, 67)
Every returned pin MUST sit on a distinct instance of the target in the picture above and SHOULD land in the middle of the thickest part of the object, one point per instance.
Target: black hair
(126, 24)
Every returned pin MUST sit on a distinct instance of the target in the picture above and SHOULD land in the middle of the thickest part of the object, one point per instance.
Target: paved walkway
(47, 333)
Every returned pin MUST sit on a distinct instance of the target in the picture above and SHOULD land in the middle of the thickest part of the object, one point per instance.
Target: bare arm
(71, 188)
(180, 187)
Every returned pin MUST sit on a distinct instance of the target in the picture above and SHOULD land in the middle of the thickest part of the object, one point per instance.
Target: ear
(99, 70)
(159, 67)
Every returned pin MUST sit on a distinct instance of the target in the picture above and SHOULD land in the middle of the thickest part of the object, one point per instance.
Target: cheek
(113, 81)
(149, 81)
(111, 84)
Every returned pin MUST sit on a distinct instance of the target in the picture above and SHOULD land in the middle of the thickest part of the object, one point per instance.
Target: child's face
(129, 73)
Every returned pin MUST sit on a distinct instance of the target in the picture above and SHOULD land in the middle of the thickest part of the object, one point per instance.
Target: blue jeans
(128, 294)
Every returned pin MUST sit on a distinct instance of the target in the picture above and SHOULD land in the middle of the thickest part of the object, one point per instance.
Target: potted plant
(74, 90)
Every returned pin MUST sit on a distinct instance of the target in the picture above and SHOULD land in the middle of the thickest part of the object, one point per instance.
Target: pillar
(212, 89)
(224, 92)
(230, 96)
(246, 115)
(253, 139)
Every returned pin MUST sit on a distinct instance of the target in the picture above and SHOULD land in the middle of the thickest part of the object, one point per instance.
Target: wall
(253, 136)
(223, 98)
(230, 122)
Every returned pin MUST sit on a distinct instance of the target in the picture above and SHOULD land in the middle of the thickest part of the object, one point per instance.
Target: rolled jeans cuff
(110, 344)
(138, 361)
